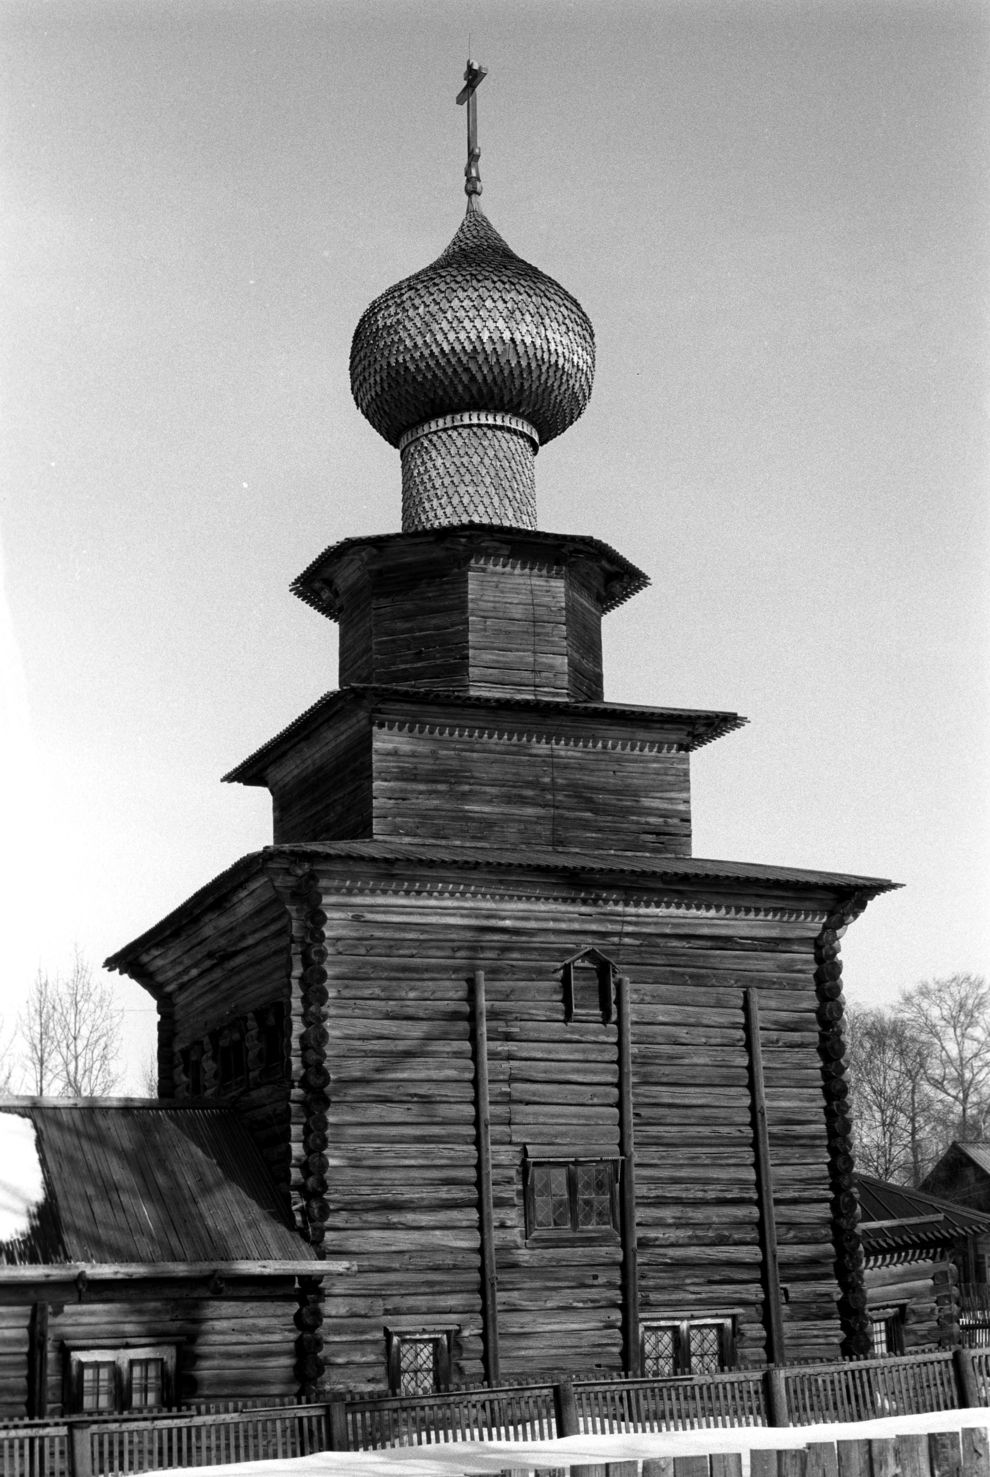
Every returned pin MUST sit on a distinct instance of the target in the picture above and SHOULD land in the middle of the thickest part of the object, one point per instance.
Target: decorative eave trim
(662, 901)
(703, 726)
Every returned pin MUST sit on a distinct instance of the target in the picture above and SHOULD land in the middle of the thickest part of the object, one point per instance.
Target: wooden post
(486, 1214)
(80, 1449)
(565, 1409)
(38, 1361)
(967, 1381)
(773, 1320)
(775, 1396)
(337, 1424)
(627, 1148)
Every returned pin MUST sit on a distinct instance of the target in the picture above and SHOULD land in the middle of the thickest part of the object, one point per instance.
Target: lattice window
(887, 1330)
(98, 1392)
(418, 1360)
(103, 1381)
(576, 1197)
(147, 1382)
(689, 1346)
(589, 987)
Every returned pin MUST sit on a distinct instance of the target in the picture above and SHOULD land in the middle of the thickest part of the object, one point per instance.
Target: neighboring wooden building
(561, 1094)
(918, 1247)
(145, 1262)
(963, 1175)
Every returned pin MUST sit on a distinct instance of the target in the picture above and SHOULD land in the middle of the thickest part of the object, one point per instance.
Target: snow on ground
(456, 1458)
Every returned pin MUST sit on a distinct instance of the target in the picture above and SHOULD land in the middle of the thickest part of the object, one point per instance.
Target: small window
(418, 1360)
(270, 1024)
(589, 987)
(107, 1381)
(576, 1197)
(230, 1056)
(887, 1331)
(689, 1346)
(192, 1068)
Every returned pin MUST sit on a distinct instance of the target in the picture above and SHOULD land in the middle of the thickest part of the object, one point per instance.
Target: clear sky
(776, 216)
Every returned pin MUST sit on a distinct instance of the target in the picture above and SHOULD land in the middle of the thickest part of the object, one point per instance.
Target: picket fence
(795, 1395)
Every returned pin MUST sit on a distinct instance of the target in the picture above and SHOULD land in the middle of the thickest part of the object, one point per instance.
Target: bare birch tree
(949, 1018)
(70, 1034)
(892, 1101)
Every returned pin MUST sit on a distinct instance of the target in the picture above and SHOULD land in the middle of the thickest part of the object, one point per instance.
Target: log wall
(240, 1345)
(401, 1188)
(14, 1355)
(923, 1286)
(520, 784)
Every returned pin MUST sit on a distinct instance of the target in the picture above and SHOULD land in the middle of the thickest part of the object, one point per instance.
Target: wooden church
(529, 1086)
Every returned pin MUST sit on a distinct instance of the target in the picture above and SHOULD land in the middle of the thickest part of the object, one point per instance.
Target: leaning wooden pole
(627, 1148)
(486, 1214)
(773, 1309)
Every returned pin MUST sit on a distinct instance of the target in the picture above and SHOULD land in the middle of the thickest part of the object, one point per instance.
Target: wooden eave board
(426, 544)
(159, 1184)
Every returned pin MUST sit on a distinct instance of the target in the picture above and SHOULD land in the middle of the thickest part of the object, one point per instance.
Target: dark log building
(539, 1088)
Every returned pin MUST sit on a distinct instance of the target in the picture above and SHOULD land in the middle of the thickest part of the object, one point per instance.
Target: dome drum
(474, 468)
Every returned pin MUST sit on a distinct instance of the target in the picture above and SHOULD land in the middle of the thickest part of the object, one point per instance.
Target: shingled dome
(477, 330)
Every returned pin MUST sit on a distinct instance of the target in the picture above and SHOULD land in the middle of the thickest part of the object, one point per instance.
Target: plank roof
(895, 1217)
(141, 1181)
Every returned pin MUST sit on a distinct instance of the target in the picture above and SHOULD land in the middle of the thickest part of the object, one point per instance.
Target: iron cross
(473, 78)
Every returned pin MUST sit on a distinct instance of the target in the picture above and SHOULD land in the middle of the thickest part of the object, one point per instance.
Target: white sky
(775, 215)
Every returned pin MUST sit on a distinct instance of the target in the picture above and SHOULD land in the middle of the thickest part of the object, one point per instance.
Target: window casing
(572, 1198)
(686, 1346)
(418, 1360)
(107, 1381)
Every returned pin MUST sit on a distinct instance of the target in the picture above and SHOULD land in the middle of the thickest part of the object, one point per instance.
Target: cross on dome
(473, 78)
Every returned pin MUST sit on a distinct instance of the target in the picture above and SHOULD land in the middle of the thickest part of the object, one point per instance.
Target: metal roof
(895, 1217)
(137, 1182)
(705, 725)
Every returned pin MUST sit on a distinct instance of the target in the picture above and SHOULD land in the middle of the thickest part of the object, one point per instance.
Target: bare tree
(892, 1102)
(949, 1017)
(70, 1033)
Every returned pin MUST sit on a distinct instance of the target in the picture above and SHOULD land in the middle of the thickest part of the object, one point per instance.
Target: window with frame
(572, 1197)
(107, 1381)
(418, 1360)
(687, 1346)
(886, 1330)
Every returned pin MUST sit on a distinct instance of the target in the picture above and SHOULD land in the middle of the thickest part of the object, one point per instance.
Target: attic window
(589, 987)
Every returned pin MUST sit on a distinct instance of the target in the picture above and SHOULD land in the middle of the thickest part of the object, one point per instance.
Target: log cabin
(547, 1091)
(918, 1250)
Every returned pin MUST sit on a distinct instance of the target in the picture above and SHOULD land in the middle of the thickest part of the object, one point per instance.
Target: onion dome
(468, 366)
(478, 329)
